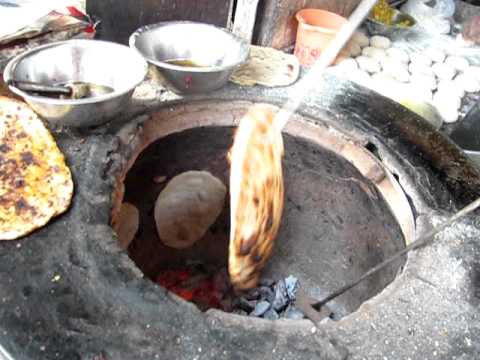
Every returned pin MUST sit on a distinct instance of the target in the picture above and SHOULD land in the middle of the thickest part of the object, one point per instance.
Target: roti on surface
(256, 195)
(267, 67)
(35, 182)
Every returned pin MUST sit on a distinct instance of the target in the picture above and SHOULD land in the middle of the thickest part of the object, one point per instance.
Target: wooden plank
(245, 14)
(121, 17)
(277, 25)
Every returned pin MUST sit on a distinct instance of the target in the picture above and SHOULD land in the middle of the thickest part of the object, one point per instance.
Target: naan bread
(35, 182)
(256, 195)
(267, 67)
(187, 207)
(126, 224)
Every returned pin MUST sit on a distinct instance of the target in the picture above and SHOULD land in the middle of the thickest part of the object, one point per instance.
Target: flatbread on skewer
(35, 182)
(256, 195)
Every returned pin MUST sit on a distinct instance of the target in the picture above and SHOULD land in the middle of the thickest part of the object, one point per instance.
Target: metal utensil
(420, 242)
(467, 133)
(376, 27)
(215, 51)
(73, 90)
(86, 61)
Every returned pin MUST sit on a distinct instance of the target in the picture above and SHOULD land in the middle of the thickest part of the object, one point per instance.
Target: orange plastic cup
(316, 29)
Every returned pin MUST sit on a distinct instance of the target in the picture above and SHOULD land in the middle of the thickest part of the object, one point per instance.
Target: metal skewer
(421, 241)
(312, 78)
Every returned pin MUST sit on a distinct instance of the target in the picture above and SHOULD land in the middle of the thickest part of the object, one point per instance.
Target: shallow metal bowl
(215, 50)
(378, 28)
(92, 61)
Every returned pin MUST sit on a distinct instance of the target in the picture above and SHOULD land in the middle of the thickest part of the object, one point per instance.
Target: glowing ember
(256, 195)
(197, 288)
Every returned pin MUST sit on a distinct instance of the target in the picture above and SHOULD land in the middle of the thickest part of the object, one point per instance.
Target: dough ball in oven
(187, 207)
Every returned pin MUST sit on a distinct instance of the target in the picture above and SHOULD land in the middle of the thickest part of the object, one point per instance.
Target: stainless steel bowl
(92, 61)
(217, 52)
(378, 28)
(466, 133)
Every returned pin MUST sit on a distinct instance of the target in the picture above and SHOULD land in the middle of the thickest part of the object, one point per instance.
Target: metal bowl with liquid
(112, 68)
(192, 57)
(401, 24)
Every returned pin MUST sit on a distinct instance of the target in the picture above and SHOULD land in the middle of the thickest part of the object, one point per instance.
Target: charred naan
(35, 182)
(256, 195)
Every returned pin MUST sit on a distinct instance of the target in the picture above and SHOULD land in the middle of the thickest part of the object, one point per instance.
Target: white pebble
(353, 49)
(336, 70)
(382, 75)
(436, 55)
(447, 104)
(443, 71)
(473, 71)
(385, 85)
(450, 85)
(348, 65)
(374, 53)
(396, 69)
(361, 39)
(420, 59)
(367, 64)
(399, 54)
(419, 92)
(402, 75)
(468, 83)
(447, 97)
(360, 77)
(448, 113)
(380, 42)
(457, 62)
(424, 81)
(368, 51)
(416, 68)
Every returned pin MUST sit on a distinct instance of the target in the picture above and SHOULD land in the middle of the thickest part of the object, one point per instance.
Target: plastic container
(316, 29)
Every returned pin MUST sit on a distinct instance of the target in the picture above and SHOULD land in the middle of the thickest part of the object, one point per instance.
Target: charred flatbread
(35, 182)
(256, 195)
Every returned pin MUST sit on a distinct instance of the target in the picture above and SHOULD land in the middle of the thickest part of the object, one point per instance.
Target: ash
(271, 300)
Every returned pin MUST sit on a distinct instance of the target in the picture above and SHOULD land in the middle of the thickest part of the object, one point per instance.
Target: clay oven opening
(344, 213)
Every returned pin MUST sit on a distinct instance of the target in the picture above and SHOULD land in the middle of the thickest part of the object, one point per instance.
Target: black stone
(271, 314)
(292, 284)
(253, 294)
(266, 293)
(245, 304)
(260, 308)
(293, 313)
(281, 299)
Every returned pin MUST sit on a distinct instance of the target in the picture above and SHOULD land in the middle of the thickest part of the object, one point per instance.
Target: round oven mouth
(345, 212)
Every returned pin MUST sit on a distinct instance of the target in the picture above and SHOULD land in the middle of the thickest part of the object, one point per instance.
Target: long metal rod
(4, 355)
(422, 241)
(314, 76)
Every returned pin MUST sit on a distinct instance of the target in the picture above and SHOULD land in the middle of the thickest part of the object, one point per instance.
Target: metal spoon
(73, 90)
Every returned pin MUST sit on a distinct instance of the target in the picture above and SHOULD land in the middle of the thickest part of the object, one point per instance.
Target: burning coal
(256, 195)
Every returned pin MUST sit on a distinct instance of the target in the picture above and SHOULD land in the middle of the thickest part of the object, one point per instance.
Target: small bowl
(214, 51)
(376, 27)
(93, 61)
